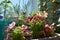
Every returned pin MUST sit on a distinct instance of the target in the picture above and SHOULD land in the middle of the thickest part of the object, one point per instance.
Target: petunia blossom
(45, 14)
(46, 29)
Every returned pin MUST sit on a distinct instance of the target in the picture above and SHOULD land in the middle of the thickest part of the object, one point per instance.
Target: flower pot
(49, 38)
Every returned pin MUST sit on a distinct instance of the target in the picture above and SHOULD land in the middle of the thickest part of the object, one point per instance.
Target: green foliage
(56, 16)
(24, 15)
(9, 1)
(5, 6)
(21, 18)
(37, 28)
(4, 1)
(58, 29)
(32, 13)
(45, 4)
(52, 32)
(17, 34)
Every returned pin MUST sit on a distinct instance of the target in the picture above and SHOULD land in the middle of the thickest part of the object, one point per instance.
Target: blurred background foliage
(10, 10)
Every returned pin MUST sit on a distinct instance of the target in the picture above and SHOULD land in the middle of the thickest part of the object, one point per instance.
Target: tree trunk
(5, 9)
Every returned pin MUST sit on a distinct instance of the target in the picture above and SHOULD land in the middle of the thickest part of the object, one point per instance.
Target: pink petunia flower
(24, 27)
(8, 28)
(45, 13)
(12, 25)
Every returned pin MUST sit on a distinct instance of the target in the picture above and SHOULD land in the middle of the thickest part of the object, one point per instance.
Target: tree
(5, 5)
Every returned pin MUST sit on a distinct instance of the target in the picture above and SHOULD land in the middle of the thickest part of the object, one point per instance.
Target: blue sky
(17, 2)
(23, 2)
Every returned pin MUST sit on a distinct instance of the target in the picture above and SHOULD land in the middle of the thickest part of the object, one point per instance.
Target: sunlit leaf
(1, 3)
(46, 8)
(53, 0)
(2, 8)
(7, 6)
(38, 2)
(39, 6)
(32, 13)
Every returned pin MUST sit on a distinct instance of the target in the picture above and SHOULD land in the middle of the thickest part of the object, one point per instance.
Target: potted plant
(35, 28)
(39, 27)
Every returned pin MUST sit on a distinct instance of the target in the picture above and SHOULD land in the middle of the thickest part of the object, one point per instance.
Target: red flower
(34, 18)
(42, 19)
(7, 29)
(46, 29)
(25, 30)
(28, 19)
(38, 17)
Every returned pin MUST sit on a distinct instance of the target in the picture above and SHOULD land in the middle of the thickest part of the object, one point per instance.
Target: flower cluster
(28, 19)
(45, 14)
(8, 28)
(37, 26)
(25, 30)
(37, 16)
(38, 23)
(49, 29)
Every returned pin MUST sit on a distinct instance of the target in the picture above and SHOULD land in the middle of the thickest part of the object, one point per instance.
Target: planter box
(48, 38)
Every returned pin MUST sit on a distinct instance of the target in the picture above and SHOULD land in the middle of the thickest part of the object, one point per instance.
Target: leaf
(1, 3)
(0, 13)
(2, 8)
(32, 13)
(7, 6)
(9, 2)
